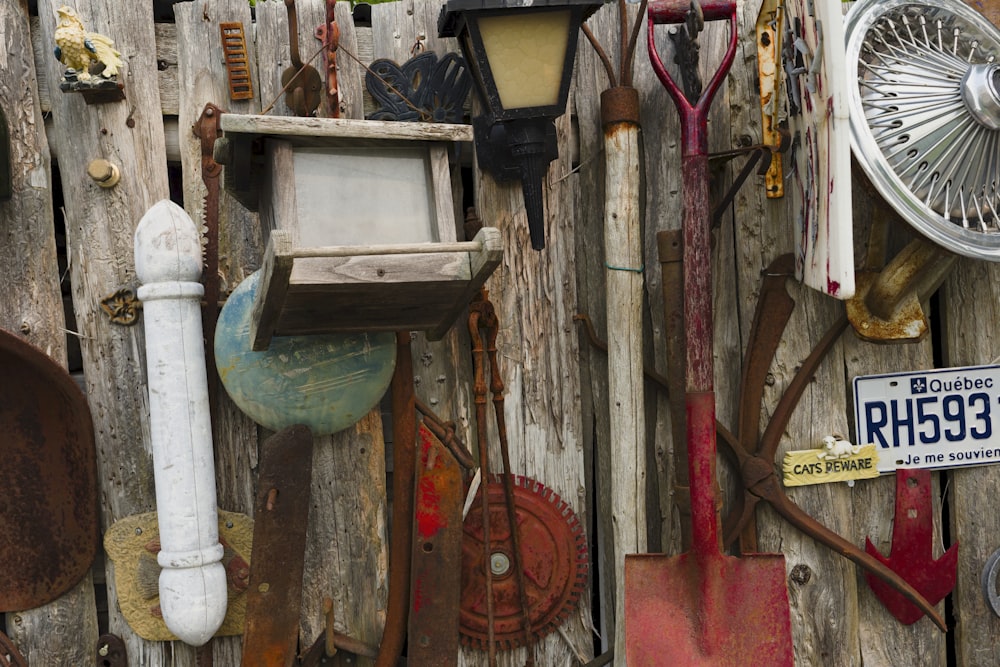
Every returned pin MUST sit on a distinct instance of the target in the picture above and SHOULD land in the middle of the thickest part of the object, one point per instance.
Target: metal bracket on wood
(122, 306)
(111, 652)
(329, 34)
(768, 32)
(886, 305)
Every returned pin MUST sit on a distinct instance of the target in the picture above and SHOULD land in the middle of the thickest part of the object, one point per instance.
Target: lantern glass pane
(364, 196)
(526, 53)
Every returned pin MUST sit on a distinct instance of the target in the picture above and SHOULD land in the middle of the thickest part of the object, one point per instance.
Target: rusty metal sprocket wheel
(553, 556)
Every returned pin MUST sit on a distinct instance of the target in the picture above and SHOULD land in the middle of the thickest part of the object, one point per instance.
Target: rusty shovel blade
(707, 609)
(48, 504)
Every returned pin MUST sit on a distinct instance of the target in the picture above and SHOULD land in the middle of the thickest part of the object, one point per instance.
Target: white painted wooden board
(813, 59)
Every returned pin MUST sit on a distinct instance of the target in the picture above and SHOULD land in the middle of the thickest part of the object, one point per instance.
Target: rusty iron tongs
(756, 459)
(482, 316)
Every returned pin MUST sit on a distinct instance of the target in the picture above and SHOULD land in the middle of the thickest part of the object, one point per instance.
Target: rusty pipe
(918, 269)
(404, 451)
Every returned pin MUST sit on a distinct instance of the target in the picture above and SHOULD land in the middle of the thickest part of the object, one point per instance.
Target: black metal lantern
(521, 53)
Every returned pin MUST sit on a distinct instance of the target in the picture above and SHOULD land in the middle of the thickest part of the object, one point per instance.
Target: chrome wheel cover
(925, 117)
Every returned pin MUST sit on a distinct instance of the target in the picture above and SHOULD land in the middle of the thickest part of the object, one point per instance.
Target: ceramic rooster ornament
(78, 49)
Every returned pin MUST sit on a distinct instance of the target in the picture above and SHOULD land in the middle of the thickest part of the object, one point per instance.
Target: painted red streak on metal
(418, 595)
(430, 519)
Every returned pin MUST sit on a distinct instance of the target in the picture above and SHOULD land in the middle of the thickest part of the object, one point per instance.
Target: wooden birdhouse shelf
(360, 224)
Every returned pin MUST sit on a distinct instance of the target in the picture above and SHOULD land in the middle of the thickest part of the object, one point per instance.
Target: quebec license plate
(943, 418)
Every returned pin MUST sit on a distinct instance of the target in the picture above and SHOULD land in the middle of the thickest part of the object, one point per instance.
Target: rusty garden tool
(281, 514)
(301, 81)
(48, 506)
(9, 655)
(755, 460)
(404, 439)
(692, 608)
(911, 556)
(482, 317)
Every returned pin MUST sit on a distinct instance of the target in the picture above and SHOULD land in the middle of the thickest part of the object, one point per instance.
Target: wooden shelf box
(359, 222)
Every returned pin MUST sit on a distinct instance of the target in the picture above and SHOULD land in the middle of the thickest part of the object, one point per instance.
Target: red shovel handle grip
(675, 11)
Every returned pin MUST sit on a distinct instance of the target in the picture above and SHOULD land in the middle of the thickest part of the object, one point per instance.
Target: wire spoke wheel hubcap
(925, 117)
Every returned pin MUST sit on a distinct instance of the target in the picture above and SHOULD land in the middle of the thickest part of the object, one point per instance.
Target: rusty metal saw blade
(48, 504)
(281, 514)
(553, 555)
(436, 555)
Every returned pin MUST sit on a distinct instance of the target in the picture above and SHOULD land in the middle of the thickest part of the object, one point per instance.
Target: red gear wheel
(553, 557)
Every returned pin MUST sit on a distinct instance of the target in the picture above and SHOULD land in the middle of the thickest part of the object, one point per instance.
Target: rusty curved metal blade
(48, 504)
(281, 515)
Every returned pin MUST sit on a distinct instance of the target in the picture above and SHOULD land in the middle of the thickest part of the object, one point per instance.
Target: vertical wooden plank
(203, 79)
(442, 369)
(589, 79)
(971, 317)
(535, 295)
(823, 587)
(62, 631)
(967, 301)
(346, 552)
(99, 226)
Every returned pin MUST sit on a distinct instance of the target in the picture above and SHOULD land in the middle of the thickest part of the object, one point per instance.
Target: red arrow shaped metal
(911, 555)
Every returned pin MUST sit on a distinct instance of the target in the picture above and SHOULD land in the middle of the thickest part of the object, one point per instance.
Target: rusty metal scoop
(48, 499)
(693, 609)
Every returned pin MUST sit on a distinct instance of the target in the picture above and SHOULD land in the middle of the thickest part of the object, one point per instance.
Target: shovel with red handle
(692, 609)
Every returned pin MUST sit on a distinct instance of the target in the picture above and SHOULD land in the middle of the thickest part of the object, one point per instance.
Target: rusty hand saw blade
(281, 514)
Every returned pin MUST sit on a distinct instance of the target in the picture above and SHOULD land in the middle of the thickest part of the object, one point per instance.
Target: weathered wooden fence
(557, 396)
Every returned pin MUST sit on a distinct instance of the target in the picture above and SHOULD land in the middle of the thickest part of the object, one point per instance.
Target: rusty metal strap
(9, 655)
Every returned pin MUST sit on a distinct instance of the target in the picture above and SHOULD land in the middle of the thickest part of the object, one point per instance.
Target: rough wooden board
(166, 61)
(61, 631)
(971, 317)
(100, 225)
(883, 639)
(344, 128)
(971, 333)
(442, 369)
(824, 604)
(346, 543)
(537, 348)
(590, 289)
(201, 80)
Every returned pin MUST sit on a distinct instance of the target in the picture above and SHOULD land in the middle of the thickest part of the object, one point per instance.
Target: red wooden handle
(675, 11)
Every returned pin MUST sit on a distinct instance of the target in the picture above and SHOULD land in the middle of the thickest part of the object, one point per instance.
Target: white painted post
(193, 581)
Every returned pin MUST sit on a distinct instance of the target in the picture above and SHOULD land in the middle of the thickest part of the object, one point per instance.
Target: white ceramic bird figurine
(78, 49)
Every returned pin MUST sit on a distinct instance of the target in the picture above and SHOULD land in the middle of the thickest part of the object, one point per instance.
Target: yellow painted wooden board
(133, 542)
(812, 466)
